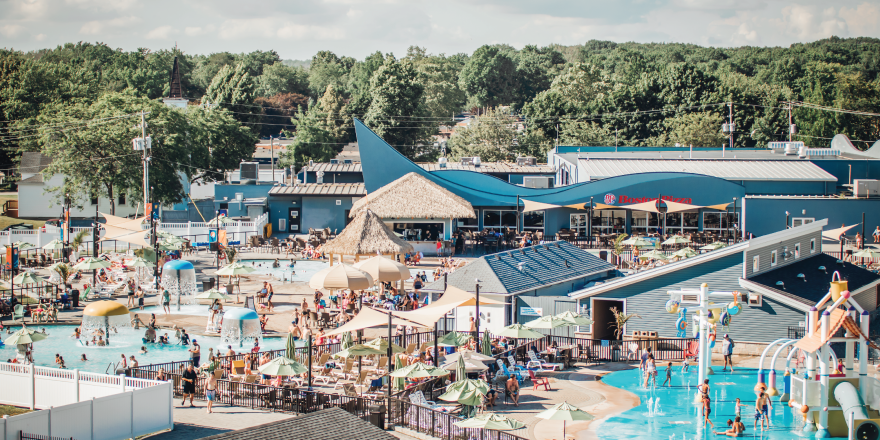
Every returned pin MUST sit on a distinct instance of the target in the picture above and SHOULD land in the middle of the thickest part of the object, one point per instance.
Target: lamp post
(786, 219)
(217, 236)
(477, 317)
(95, 246)
(154, 227)
(590, 223)
(662, 210)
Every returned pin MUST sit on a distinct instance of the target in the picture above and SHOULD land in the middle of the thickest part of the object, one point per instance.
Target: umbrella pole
(389, 359)
(436, 346)
(309, 347)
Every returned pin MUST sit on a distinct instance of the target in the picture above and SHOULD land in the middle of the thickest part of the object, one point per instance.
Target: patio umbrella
(384, 269)
(346, 341)
(219, 221)
(283, 366)
(452, 339)
(22, 245)
(54, 245)
(359, 350)
(92, 263)
(637, 241)
(465, 392)
(487, 344)
(400, 382)
(24, 336)
(547, 322)
(169, 246)
(460, 369)
(290, 346)
(468, 366)
(25, 279)
(340, 277)
(566, 412)
(684, 253)
(676, 239)
(382, 345)
(213, 294)
(574, 318)
(140, 262)
(234, 269)
(519, 331)
(713, 246)
(490, 420)
(654, 255)
(418, 370)
(468, 356)
(867, 253)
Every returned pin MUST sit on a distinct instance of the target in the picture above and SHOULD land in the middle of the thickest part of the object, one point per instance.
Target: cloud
(40, 37)
(11, 30)
(104, 5)
(861, 20)
(96, 27)
(198, 31)
(161, 33)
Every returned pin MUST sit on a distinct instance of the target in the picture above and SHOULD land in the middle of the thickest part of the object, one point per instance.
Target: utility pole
(271, 147)
(154, 226)
(790, 124)
(146, 159)
(730, 121)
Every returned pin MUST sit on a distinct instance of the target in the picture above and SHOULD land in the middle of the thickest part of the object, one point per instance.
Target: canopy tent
(369, 317)
(654, 254)
(600, 206)
(676, 239)
(452, 298)
(834, 234)
(395, 200)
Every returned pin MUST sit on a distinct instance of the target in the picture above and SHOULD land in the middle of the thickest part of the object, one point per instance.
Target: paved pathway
(193, 423)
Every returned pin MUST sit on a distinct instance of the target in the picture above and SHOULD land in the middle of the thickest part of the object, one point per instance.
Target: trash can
(615, 354)
(603, 255)
(377, 416)
(208, 284)
(74, 296)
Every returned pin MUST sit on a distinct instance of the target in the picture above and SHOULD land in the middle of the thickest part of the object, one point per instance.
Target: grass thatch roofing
(366, 235)
(414, 196)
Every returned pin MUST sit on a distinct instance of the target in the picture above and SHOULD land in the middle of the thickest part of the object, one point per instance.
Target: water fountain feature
(103, 318)
(179, 278)
(240, 326)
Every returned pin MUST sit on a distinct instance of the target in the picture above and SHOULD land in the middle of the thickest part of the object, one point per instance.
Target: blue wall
(316, 212)
(228, 191)
(840, 168)
(311, 177)
(767, 215)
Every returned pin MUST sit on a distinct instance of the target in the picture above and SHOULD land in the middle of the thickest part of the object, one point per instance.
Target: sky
(296, 29)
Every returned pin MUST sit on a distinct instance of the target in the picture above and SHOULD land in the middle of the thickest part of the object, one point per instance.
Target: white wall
(492, 318)
(35, 202)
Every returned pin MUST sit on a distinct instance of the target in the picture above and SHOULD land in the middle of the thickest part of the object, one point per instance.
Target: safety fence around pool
(603, 350)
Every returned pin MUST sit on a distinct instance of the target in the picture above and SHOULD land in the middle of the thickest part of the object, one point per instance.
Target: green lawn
(7, 221)
(6, 410)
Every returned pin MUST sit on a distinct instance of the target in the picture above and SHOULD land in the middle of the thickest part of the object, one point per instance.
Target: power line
(15, 136)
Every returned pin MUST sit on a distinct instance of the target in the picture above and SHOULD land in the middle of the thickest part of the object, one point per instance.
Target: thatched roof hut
(414, 196)
(366, 235)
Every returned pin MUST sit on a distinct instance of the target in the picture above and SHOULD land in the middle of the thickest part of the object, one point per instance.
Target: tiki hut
(366, 235)
(418, 209)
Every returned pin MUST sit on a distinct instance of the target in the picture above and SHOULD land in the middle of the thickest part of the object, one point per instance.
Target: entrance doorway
(604, 324)
(293, 219)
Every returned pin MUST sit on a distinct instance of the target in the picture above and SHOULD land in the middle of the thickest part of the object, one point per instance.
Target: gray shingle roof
(34, 162)
(321, 189)
(328, 424)
(542, 265)
(36, 178)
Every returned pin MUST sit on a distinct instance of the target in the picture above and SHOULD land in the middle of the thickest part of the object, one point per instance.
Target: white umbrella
(92, 263)
(339, 277)
(54, 245)
(234, 269)
(384, 269)
(676, 239)
(212, 294)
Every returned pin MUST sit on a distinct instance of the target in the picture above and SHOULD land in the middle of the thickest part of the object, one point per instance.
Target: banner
(531, 311)
(212, 235)
(222, 237)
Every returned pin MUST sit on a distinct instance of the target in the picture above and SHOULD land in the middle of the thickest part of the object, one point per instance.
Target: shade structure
(212, 294)
(867, 253)
(713, 246)
(452, 298)
(141, 262)
(92, 263)
(369, 317)
(654, 254)
(382, 345)
(359, 350)
(170, 246)
(565, 411)
(468, 356)
(241, 327)
(24, 336)
(574, 318)
(519, 331)
(465, 392)
(637, 241)
(834, 234)
(234, 269)
(54, 245)
(367, 234)
(283, 366)
(490, 420)
(548, 322)
(452, 339)
(384, 269)
(469, 366)
(684, 253)
(341, 276)
(105, 308)
(395, 200)
(676, 239)
(418, 370)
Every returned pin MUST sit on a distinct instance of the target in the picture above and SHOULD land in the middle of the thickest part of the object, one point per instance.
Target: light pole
(477, 317)
(154, 226)
(217, 236)
(735, 219)
(786, 219)
(590, 223)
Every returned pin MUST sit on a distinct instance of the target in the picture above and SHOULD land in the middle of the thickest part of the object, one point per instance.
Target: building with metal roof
(329, 424)
(296, 208)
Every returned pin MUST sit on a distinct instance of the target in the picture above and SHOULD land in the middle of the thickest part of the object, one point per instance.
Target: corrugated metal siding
(550, 305)
(648, 299)
(764, 253)
(730, 169)
(868, 298)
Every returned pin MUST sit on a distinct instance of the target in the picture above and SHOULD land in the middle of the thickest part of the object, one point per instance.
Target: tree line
(525, 102)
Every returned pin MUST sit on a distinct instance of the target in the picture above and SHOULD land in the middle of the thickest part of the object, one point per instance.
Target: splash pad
(179, 279)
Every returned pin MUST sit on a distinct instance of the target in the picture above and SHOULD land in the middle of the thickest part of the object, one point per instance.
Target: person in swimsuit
(734, 428)
(166, 301)
(211, 391)
(762, 405)
(707, 410)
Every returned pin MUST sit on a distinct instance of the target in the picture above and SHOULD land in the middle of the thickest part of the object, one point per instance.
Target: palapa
(414, 196)
(366, 235)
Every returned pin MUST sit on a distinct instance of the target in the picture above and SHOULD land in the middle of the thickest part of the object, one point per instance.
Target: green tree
(700, 129)
(489, 78)
(312, 141)
(207, 67)
(396, 104)
(359, 82)
(278, 78)
(333, 114)
(490, 136)
(277, 111)
(443, 96)
(233, 89)
(585, 134)
(535, 68)
(328, 69)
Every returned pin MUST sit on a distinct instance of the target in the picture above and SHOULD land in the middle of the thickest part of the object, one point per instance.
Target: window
(797, 250)
(470, 223)
(772, 258)
(755, 299)
(94, 200)
(719, 220)
(427, 231)
(533, 221)
(756, 263)
(606, 221)
(798, 221)
(121, 199)
(496, 219)
(812, 245)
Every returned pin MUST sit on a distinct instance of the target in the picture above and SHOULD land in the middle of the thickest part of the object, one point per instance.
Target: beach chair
(424, 347)
(84, 295)
(359, 381)
(237, 369)
(538, 381)
(321, 362)
(693, 349)
(325, 378)
(410, 348)
(349, 390)
(508, 373)
(381, 366)
(514, 364)
(418, 398)
(18, 312)
(346, 370)
(540, 363)
(250, 378)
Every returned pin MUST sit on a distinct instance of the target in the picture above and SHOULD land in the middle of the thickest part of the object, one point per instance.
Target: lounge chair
(18, 312)
(318, 366)
(540, 363)
(538, 381)
(237, 369)
(381, 366)
(508, 373)
(360, 380)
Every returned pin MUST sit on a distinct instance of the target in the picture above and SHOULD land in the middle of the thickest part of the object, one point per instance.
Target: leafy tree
(490, 136)
(489, 78)
(535, 69)
(233, 89)
(207, 67)
(700, 129)
(328, 69)
(443, 96)
(256, 61)
(333, 114)
(586, 134)
(359, 82)
(312, 141)
(396, 98)
(279, 78)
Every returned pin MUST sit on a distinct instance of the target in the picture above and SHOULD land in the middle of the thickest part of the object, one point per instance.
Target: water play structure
(179, 279)
(103, 318)
(241, 326)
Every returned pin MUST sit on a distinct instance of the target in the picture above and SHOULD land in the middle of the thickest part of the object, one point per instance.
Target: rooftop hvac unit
(476, 161)
(786, 147)
(866, 188)
(239, 196)
(526, 161)
(465, 161)
(249, 170)
(536, 182)
(320, 175)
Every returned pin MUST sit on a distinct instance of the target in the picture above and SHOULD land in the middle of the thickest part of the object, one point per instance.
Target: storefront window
(497, 219)
(533, 221)
(470, 224)
(609, 221)
(691, 220)
(578, 224)
(428, 231)
(711, 220)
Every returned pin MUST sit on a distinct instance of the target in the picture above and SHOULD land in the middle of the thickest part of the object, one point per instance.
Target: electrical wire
(13, 129)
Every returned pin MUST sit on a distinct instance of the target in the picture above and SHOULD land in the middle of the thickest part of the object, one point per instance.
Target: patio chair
(418, 398)
(321, 362)
(508, 373)
(540, 363)
(409, 349)
(539, 381)
(325, 376)
(276, 246)
(514, 364)
(237, 369)
(693, 349)
(381, 366)
(346, 370)
(586, 354)
(359, 381)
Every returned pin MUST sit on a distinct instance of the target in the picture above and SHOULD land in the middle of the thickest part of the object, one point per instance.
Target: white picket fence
(81, 405)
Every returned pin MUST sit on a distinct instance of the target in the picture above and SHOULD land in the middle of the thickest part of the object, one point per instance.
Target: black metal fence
(438, 424)
(25, 436)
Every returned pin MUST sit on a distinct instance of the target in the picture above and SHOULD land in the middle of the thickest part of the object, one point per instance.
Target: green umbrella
(140, 262)
(213, 294)
(359, 350)
(148, 254)
(637, 241)
(487, 344)
(460, 369)
(470, 365)
(22, 245)
(54, 245)
(382, 345)
(399, 383)
(867, 253)
(472, 356)
(234, 269)
(27, 279)
(346, 341)
(452, 339)
(169, 246)
(290, 345)
(547, 322)
(465, 392)
(566, 412)
(24, 336)
(574, 318)
(684, 253)
(490, 420)
(654, 255)
(92, 263)
(220, 220)
(282, 366)
(676, 239)
(713, 246)
(519, 331)
(56, 266)
(418, 370)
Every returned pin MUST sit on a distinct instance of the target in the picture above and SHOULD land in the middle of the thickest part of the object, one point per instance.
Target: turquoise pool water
(61, 342)
(302, 271)
(679, 418)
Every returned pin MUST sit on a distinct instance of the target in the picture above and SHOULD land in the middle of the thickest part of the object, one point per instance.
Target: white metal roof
(730, 169)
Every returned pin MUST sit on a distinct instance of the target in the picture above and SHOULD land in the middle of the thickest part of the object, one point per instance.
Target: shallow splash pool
(61, 342)
(679, 418)
(302, 270)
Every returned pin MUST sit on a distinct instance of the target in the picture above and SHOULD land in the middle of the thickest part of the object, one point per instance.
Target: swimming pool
(61, 342)
(679, 418)
(302, 271)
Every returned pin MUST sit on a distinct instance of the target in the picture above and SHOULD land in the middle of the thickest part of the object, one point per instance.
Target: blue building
(298, 208)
